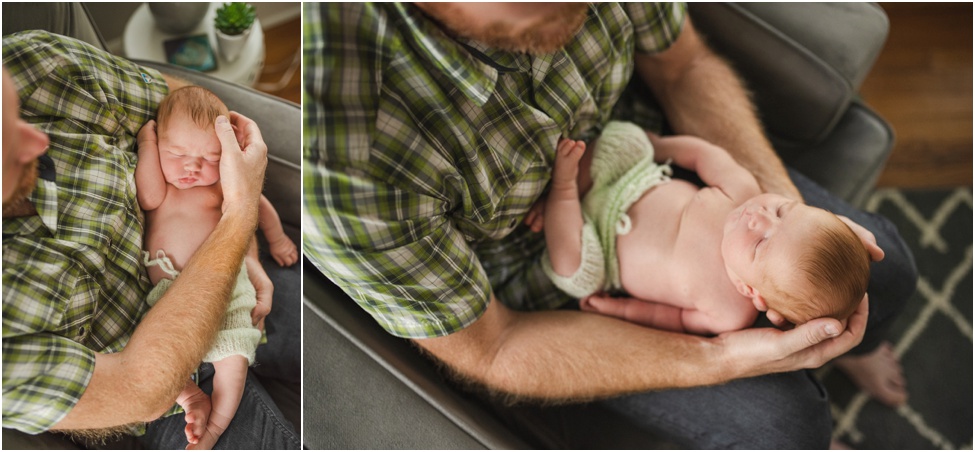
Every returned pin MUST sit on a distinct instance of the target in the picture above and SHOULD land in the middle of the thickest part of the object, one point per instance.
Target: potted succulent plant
(233, 23)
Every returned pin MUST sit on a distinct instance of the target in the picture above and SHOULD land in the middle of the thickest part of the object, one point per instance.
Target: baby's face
(188, 153)
(764, 236)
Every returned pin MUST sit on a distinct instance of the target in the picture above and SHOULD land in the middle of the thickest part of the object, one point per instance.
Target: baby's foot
(567, 156)
(215, 427)
(878, 373)
(206, 441)
(284, 251)
(196, 405)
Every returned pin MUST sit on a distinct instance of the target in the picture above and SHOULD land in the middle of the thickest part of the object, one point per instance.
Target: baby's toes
(576, 151)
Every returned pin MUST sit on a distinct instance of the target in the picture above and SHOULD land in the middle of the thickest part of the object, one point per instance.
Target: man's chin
(19, 200)
(541, 38)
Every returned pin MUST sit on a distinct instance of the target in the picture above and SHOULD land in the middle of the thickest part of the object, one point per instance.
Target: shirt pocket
(57, 294)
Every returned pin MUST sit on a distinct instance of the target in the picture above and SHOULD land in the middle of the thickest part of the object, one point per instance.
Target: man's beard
(539, 38)
(28, 179)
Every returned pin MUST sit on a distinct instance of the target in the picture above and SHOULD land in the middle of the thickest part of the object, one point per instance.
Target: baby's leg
(196, 406)
(229, 376)
(563, 211)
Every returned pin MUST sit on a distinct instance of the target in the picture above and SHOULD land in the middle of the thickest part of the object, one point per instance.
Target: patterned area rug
(933, 337)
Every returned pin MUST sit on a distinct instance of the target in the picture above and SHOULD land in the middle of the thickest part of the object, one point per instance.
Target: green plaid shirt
(423, 153)
(73, 283)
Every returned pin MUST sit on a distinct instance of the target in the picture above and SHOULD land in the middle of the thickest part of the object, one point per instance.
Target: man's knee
(894, 279)
(786, 411)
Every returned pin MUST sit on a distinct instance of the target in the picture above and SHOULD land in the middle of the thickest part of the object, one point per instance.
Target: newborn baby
(698, 260)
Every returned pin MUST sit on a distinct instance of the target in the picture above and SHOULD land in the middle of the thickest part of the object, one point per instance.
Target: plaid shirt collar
(473, 77)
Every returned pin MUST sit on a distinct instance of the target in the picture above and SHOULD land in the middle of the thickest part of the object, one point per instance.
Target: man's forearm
(142, 381)
(574, 356)
(702, 96)
(198, 298)
(570, 355)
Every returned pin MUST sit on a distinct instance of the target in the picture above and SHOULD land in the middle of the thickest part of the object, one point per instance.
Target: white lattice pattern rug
(933, 337)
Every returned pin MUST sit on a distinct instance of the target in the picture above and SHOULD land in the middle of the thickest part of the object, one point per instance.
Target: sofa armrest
(803, 73)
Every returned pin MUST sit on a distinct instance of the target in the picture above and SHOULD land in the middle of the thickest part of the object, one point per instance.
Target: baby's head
(189, 150)
(799, 261)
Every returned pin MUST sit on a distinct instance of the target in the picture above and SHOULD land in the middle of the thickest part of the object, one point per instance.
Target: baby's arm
(713, 164)
(666, 317)
(262, 285)
(283, 250)
(563, 211)
(647, 313)
(150, 183)
(229, 376)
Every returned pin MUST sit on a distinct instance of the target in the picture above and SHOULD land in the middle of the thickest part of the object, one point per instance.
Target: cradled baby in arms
(698, 260)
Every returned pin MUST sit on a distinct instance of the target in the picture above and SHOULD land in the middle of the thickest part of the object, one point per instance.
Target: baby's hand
(265, 296)
(284, 251)
(147, 134)
(535, 219)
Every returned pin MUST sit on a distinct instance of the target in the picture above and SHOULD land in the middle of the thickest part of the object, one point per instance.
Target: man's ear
(866, 237)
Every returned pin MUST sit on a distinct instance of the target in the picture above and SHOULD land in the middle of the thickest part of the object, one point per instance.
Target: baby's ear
(757, 299)
(866, 238)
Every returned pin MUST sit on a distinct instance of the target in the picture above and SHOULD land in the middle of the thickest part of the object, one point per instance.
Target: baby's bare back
(181, 224)
(673, 253)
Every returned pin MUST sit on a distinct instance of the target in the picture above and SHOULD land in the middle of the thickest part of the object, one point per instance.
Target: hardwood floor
(282, 47)
(921, 83)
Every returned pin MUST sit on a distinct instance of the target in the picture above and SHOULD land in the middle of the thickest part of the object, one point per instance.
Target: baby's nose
(193, 164)
(758, 219)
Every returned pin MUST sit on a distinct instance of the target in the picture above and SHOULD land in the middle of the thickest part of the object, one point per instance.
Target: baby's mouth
(187, 180)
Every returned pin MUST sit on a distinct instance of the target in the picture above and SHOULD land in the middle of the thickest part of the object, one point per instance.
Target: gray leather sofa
(280, 124)
(804, 64)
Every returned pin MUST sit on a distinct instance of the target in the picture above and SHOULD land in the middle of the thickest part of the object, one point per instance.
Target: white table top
(142, 40)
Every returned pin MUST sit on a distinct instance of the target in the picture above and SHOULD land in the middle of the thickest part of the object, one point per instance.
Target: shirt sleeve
(75, 85)
(414, 273)
(656, 25)
(392, 247)
(44, 375)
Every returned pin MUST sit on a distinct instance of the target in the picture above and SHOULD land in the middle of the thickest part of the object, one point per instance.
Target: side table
(142, 40)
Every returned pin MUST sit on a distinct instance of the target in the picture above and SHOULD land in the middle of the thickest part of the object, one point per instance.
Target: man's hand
(242, 162)
(759, 351)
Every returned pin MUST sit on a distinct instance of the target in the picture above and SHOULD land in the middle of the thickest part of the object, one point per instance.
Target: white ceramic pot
(231, 45)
